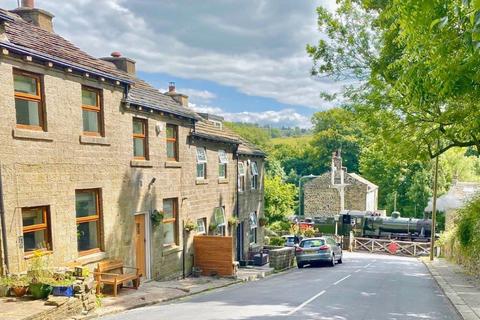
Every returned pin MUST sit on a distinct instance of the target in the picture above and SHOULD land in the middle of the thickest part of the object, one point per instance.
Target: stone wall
(281, 258)
(251, 201)
(321, 199)
(45, 169)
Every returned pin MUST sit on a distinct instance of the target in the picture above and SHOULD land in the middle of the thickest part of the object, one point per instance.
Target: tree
(416, 64)
(279, 199)
(336, 129)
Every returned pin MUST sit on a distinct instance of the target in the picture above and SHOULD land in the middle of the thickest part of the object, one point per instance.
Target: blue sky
(244, 60)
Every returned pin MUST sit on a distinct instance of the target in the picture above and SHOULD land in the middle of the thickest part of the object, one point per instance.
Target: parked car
(319, 249)
(291, 240)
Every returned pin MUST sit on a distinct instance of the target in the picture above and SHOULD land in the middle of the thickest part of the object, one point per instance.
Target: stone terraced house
(91, 153)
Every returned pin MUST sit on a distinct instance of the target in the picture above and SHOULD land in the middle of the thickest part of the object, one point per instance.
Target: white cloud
(285, 117)
(257, 47)
(200, 96)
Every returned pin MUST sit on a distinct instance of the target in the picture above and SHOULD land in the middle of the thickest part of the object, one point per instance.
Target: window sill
(31, 254)
(31, 134)
(141, 163)
(201, 181)
(91, 258)
(170, 248)
(94, 140)
(222, 181)
(173, 164)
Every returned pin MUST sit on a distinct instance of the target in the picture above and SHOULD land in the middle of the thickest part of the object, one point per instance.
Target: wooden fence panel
(214, 255)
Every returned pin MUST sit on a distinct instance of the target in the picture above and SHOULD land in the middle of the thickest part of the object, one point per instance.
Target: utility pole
(434, 209)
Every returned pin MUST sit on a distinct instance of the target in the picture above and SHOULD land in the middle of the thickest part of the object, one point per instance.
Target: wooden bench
(112, 272)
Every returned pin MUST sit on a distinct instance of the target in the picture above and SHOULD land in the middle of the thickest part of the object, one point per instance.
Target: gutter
(4, 227)
(60, 62)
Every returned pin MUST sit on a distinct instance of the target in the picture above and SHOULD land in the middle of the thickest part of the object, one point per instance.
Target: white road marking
(368, 265)
(358, 270)
(305, 303)
(335, 283)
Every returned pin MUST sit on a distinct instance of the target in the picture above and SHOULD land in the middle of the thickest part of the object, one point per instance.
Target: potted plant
(212, 227)
(233, 221)
(262, 221)
(5, 284)
(19, 285)
(189, 225)
(40, 276)
(62, 285)
(156, 217)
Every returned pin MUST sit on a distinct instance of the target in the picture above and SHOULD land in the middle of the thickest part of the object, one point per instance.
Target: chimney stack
(122, 63)
(180, 98)
(35, 16)
(337, 170)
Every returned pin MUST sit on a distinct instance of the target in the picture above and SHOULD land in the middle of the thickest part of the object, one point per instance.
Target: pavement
(154, 292)
(149, 293)
(462, 289)
(364, 287)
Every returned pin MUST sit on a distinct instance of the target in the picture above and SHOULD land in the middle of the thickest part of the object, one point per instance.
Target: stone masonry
(322, 195)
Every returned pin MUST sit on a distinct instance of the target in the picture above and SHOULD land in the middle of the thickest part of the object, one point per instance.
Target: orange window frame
(97, 108)
(143, 136)
(173, 140)
(39, 227)
(173, 220)
(92, 218)
(29, 97)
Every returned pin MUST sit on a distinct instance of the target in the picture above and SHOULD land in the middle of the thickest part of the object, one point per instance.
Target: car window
(312, 243)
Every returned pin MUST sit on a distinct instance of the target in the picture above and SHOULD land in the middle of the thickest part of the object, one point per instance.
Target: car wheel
(300, 265)
(340, 260)
(332, 262)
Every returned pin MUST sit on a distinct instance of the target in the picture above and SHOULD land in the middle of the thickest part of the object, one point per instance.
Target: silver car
(315, 250)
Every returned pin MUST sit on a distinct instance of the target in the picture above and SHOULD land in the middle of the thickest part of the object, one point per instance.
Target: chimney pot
(28, 4)
(171, 87)
(116, 54)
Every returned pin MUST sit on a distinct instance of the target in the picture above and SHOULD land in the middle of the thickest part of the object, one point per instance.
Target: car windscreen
(290, 239)
(312, 243)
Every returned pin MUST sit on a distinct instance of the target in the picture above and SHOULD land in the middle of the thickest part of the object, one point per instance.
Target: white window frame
(201, 153)
(253, 219)
(201, 228)
(241, 175)
(222, 157)
(201, 160)
(254, 168)
(222, 210)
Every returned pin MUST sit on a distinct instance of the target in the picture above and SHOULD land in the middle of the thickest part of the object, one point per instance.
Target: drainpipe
(4, 228)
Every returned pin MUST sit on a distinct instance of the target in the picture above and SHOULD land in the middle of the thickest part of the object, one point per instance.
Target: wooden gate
(393, 247)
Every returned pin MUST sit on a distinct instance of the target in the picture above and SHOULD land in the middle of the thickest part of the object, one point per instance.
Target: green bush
(279, 226)
(277, 241)
(466, 243)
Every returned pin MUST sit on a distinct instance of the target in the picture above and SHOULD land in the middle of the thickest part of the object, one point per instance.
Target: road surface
(364, 287)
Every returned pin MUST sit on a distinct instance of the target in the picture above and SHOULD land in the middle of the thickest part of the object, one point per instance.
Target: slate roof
(27, 38)
(143, 94)
(39, 42)
(205, 129)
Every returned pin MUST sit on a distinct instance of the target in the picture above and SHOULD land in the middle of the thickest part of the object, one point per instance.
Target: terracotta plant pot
(19, 291)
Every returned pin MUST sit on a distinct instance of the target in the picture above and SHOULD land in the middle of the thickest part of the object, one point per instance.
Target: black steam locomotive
(376, 226)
